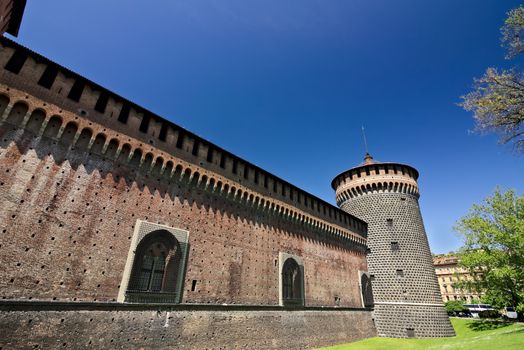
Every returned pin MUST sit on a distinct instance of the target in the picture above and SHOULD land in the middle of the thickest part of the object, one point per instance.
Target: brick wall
(115, 327)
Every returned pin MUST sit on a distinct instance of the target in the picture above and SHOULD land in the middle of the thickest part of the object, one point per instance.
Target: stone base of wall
(424, 321)
(110, 325)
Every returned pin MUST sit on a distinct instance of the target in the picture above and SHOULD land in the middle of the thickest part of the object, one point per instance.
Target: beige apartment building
(448, 273)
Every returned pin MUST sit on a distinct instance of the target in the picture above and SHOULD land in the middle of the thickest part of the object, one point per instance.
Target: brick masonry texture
(161, 329)
(399, 259)
(74, 182)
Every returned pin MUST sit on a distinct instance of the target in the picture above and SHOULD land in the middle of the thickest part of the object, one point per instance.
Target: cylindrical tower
(405, 288)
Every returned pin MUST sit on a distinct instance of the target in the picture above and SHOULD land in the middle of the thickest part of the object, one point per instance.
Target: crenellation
(134, 118)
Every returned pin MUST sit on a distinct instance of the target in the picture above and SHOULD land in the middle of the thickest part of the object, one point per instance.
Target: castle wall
(200, 328)
(122, 117)
(68, 218)
(82, 169)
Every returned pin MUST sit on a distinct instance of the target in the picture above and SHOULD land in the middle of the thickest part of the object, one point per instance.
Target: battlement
(52, 101)
(375, 177)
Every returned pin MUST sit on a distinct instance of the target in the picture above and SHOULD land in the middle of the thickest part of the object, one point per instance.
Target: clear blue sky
(288, 84)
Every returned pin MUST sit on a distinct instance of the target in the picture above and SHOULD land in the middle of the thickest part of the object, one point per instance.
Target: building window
(48, 77)
(76, 90)
(395, 246)
(291, 283)
(291, 280)
(155, 266)
(16, 62)
(389, 223)
(365, 288)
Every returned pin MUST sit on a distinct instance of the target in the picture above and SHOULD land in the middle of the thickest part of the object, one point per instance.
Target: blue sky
(287, 85)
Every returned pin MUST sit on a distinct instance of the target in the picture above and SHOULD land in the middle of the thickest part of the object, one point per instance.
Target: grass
(471, 334)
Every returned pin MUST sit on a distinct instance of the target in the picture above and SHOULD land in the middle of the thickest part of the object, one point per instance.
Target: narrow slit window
(265, 181)
(196, 145)
(180, 140)
(48, 77)
(193, 285)
(222, 160)
(235, 165)
(124, 114)
(209, 157)
(256, 177)
(246, 172)
(16, 62)
(76, 90)
(163, 132)
(101, 103)
(144, 124)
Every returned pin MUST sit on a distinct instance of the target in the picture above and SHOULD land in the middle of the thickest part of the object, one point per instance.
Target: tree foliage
(493, 250)
(512, 32)
(497, 99)
(455, 306)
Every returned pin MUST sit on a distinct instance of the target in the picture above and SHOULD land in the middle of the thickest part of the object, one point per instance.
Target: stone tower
(405, 288)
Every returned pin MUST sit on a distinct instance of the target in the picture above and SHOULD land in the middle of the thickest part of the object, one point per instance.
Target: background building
(448, 273)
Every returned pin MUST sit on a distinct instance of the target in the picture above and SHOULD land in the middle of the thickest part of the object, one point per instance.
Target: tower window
(222, 160)
(124, 113)
(265, 180)
(395, 246)
(48, 77)
(246, 172)
(101, 103)
(16, 62)
(144, 124)
(180, 139)
(235, 166)
(196, 145)
(410, 332)
(400, 273)
(163, 132)
(76, 90)
(256, 177)
(389, 223)
(209, 157)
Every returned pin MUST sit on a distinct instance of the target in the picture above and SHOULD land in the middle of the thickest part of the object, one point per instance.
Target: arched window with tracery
(292, 283)
(156, 269)
(367, 293)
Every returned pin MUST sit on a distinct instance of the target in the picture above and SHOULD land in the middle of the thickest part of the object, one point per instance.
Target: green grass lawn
(471, 334)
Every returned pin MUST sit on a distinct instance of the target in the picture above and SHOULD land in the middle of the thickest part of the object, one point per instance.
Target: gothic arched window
(292, 283)
(155, 266)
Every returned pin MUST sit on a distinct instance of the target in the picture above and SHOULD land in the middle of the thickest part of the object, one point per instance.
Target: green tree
(497, 99)
(455, 306)
(493, 250)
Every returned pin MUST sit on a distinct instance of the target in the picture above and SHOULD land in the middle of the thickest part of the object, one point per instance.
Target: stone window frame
(282, 258)
(360, 274)
(142, 229)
